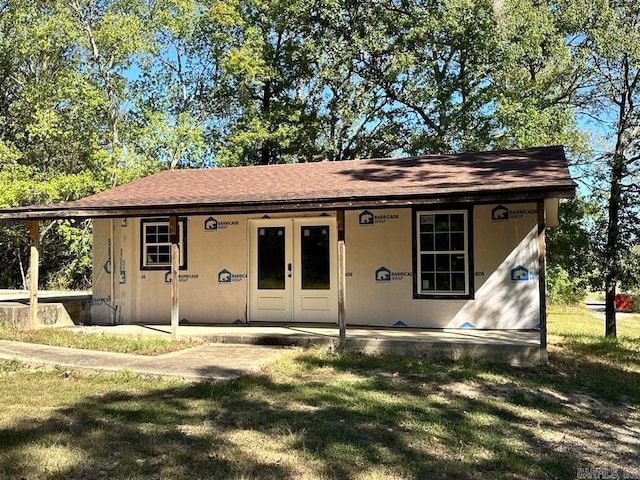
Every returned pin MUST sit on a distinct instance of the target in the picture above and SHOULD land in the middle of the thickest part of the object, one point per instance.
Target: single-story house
(436, 241)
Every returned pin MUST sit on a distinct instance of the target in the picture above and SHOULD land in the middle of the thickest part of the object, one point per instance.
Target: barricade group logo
(383, 274)
(100, 301)
(183, 277)
(225, 276)
(500, 214)
(519, 274)
(123, 269)
(211, 224)
(107, 265)
(367, 218)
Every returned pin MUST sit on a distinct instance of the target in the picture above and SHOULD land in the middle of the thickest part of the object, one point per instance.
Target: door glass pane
(271, 267)
(314, 244)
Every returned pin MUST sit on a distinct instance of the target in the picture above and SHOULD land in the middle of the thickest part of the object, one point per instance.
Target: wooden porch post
(341, 281)
(34, 263)
(175, 268)
(542, 281)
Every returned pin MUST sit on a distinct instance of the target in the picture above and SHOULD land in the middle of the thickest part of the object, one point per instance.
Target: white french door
(293, 270)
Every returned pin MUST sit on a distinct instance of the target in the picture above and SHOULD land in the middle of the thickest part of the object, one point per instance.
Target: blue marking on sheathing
(238, 322)
(536, 326)
(399, 323)
(466, 325)
(184, 321)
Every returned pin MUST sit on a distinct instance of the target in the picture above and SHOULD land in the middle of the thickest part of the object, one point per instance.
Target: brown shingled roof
(515, 174)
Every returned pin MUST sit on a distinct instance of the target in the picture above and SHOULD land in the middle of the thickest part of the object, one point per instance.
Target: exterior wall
(501, 299)
(143, 296)
(500, 243)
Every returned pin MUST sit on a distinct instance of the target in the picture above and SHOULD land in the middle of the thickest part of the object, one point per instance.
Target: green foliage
(60, 113)
(570, 246)
(97, 93)
(538, 79)
(564, 290)
(606, 38)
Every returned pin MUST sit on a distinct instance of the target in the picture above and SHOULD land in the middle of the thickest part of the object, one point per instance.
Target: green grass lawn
(314, 415)
(61, 337)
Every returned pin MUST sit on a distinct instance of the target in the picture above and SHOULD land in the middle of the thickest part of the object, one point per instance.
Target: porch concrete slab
(513, 347)
(199, 363)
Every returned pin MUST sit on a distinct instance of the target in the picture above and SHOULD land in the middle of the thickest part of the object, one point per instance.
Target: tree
(110, 35)
(61, 124)
(538, 77)
(47, 143)
(609, 43)
(181, 95)
(270, 67)
(432, 62)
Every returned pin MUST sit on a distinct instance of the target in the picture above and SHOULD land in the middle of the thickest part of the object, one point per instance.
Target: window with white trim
(156, 244)
(442, 253)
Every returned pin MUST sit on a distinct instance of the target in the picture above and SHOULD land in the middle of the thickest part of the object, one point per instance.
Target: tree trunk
(612, 250)
(610, 306)
(265, 151)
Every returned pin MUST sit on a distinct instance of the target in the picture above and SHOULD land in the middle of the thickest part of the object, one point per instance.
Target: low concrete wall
(488, 349)
(511, 354)
(55, 308)
(16, 315)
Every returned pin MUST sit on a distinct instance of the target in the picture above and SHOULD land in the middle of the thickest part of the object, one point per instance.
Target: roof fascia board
(54, 213)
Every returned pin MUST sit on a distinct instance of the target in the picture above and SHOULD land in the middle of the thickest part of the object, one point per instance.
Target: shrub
(563, 290)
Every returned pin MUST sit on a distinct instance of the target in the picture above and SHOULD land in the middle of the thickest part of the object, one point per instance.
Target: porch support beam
(542, 281)
(34, 264)
(341, 281)
(175, 268)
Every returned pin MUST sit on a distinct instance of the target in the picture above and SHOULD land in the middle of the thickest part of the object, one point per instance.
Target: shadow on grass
(343, 416)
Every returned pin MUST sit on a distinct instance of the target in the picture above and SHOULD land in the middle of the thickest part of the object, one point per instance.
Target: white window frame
(145, 263)
(420, 251)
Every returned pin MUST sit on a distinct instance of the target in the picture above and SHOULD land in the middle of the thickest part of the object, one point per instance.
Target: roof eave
(57, 212)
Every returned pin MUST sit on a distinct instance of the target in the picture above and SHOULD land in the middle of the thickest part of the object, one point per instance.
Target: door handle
(289, 268)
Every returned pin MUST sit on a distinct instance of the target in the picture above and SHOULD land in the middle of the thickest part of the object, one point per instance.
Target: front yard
(316, 415)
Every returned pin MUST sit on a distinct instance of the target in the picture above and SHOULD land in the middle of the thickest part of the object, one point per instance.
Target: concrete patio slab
(512, 347)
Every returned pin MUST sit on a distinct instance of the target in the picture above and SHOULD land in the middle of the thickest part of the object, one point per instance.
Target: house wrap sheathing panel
(214, 286)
